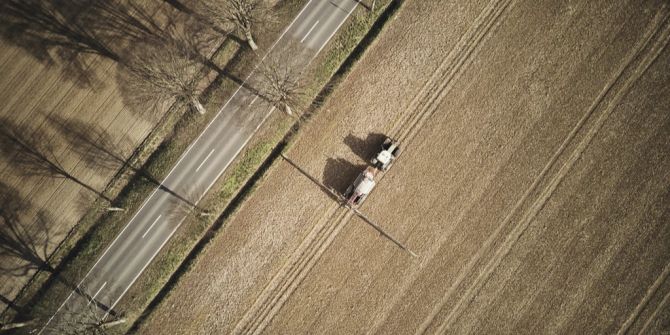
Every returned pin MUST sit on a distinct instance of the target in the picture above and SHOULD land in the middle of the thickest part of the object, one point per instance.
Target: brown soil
(33, 95)
(534, 186)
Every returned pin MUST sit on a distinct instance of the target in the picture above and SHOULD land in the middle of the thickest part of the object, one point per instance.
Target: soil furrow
(643, 303)
(281, 284)
(640, 61)
(454, 65)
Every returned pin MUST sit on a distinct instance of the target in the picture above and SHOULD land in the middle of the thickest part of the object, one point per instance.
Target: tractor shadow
(365, 148)
(339, 173)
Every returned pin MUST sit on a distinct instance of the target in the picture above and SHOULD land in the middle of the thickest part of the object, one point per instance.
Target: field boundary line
(637, 63)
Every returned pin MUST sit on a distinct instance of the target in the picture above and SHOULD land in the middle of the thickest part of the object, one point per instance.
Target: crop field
(66, 130)
(533, 186)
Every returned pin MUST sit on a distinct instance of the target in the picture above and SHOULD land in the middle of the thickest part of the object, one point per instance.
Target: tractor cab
(390, 151)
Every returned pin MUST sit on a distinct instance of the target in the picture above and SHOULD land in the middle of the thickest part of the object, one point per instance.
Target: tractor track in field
(654, 41)
(661, 305)
(407, 125)
(637, 311)
(427, 100)
(424, 104)
(284, 283)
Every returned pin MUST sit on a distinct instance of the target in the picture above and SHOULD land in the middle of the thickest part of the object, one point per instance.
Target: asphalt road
(201, 165)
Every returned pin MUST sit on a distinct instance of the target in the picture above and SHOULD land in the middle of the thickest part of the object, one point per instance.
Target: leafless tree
(159, 71)
(282, 85)
(73, 319)
(28, 246)
(186, 204)
(34, 153)
(242, 15)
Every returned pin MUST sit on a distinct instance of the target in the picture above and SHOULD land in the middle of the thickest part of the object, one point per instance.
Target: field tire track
(660, 306)
(637, 311)
(647, 50)
(437, 86)
(432, 92)
(293, 272)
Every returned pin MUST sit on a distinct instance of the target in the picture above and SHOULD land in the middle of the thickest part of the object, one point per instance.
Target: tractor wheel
(396, 152)
(386, 144)
(348, 192)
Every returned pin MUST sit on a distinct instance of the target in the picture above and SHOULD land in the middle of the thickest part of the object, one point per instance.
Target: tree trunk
(8, 326)
(198, 106)
(250, 39)
(115, 209)
(288, 110)
(110, 324)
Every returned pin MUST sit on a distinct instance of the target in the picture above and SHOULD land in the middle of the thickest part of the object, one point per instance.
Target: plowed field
(534, 186)
(46, 102)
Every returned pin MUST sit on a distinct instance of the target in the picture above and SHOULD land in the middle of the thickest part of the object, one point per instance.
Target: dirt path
(533, 186)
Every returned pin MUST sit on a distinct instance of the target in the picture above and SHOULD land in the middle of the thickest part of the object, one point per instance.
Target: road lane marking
(152, 225)
(143, 268)
(252, 101)
(338, 28)
(309, 31)
(96, 294)
(184, 155)
(238, 150)
(204, 160)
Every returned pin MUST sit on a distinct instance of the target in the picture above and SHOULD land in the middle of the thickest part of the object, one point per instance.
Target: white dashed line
(204, 160)
(252, 101)
(338, 28)
(96, 294)
(309, 31)
(152, 225)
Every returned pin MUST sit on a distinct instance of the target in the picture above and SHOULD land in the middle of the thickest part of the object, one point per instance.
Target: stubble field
(533, 186)
(59, 110)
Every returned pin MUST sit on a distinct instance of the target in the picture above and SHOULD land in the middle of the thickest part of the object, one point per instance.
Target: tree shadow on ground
(27, 244)
(365, 148)
(64, 32)
(340, 173)
(34, 153)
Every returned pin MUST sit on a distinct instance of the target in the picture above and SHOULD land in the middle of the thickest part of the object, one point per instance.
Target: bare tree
(33, 153)
(282, 85)
(186, 204)
(72, 319)
(243, 15)
(75, 319)
(160, 71)
(27, 245)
